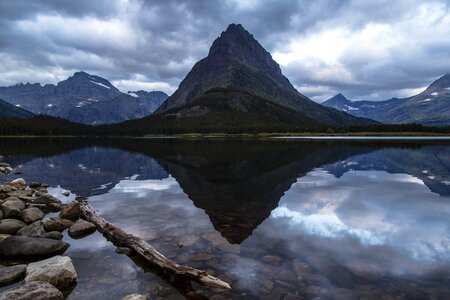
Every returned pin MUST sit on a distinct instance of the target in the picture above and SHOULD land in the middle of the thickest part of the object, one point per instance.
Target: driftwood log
(122, 239)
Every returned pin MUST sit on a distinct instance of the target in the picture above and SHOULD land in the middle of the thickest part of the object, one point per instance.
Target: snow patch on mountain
(100, 84)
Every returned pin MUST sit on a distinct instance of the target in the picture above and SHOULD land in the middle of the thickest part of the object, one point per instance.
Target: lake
(276, 218)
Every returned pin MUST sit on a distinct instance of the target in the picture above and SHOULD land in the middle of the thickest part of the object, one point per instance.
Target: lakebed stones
(12, 207)
(81, 228)
(31, 215)
(11, 274)
(33, 291)
(10, 226)
(56, 224)
(31, 247)
(58, 271)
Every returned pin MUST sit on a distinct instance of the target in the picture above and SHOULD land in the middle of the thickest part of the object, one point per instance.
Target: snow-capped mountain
(82, 98)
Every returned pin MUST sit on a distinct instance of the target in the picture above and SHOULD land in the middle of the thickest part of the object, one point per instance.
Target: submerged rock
(58, 271)
(35, 229)
(31, 215)
(10, 226)
(31, 247)
(9, 275)
(56, 224)
(12, 207)
(81, 228)
(33, 291)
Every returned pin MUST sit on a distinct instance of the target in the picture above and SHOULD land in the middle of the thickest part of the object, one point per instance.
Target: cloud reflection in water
(395, 211)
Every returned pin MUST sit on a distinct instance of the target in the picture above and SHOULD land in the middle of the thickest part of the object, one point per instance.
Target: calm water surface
(278, 219)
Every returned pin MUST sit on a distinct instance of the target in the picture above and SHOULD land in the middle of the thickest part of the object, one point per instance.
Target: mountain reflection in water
(299, 218)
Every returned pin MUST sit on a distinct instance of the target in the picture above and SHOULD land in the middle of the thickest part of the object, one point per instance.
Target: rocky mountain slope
(240, 68)
(9, 110)
(431, 107)
(83, 98)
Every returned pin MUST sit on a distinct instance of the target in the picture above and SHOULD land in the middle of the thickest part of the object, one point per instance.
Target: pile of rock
(5, 168)
(26, 234)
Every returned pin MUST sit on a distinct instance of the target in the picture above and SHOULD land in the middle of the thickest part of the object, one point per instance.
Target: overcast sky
(364, 49)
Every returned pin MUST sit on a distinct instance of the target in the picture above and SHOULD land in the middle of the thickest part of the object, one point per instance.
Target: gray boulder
(46, 199)
(31, 247)
(58, 271)
(35, 229)
(56, 224)
(19, 181)
(71, 211)
(12, 274)
(12, 207)
(10, 226)
(81, 228)
(54, 235)
(33, 291)
(31, 215)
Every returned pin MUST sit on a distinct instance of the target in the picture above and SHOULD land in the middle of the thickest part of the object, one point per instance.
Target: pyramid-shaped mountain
(239, 75)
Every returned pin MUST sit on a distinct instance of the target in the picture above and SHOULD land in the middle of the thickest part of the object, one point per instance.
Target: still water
(276, 218)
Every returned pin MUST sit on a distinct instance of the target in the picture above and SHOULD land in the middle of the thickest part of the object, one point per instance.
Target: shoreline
(309, 135)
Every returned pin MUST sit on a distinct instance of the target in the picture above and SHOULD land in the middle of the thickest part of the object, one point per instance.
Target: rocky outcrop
(33, 291)
(58, 271)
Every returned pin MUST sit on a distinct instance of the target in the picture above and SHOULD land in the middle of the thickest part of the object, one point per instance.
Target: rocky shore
(31, 241)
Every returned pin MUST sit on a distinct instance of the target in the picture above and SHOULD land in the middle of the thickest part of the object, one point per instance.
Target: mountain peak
(338, 98)
(234, 41)
(442, 82)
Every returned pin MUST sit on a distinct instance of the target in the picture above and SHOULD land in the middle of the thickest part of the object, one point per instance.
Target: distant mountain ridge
(83, 98)
(9, 110)
(238, 72)
(431, 107)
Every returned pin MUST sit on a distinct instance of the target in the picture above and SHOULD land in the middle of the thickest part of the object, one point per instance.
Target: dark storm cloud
(374, 50)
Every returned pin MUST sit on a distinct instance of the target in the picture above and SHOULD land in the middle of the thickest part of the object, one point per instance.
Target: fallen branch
(122, 239)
